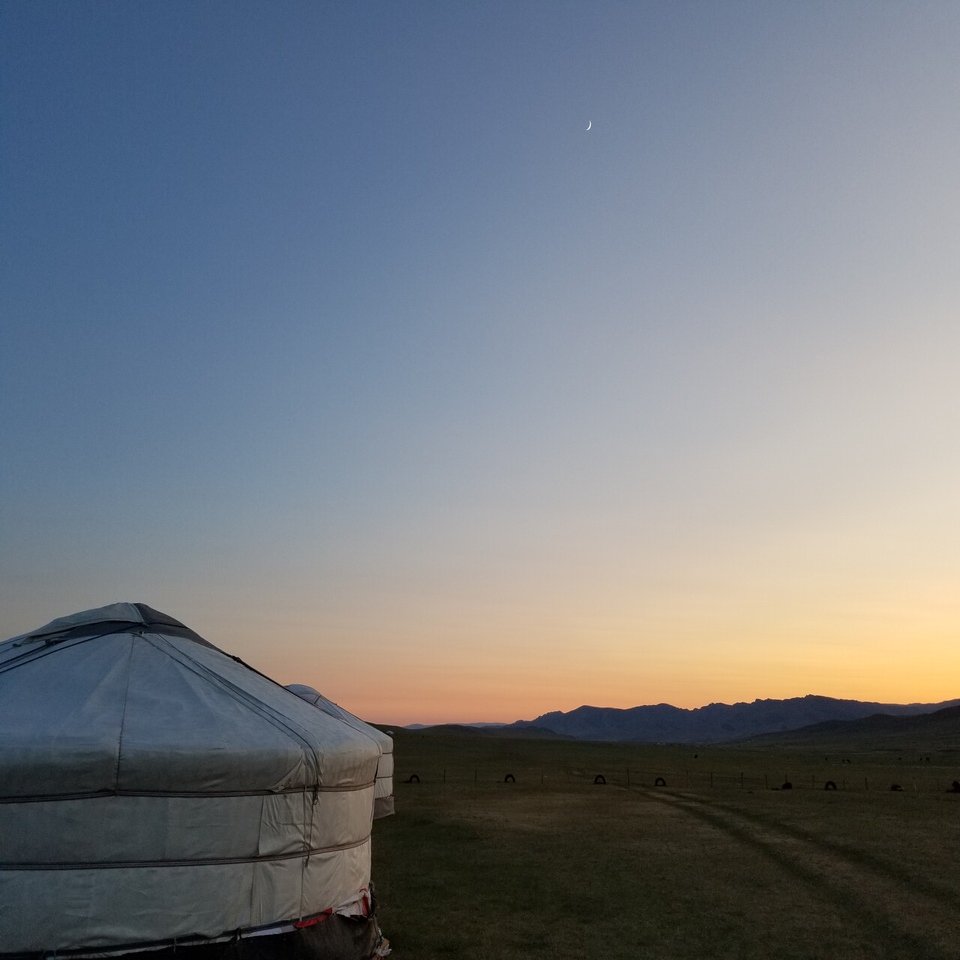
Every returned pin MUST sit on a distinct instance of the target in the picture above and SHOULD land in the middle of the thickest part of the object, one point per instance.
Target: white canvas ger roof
(153, 788)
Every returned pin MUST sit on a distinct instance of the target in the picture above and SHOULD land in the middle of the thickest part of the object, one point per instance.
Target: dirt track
(916, 911)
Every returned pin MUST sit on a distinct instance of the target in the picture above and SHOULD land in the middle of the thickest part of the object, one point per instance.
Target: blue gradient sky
(331, 331)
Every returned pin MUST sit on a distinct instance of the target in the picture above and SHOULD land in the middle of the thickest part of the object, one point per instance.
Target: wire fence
(905, 781)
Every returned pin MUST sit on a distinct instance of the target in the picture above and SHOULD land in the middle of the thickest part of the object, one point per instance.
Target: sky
(331, 330)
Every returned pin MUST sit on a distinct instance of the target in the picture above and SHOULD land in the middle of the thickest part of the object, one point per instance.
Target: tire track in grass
(948, 897)
(923, 918)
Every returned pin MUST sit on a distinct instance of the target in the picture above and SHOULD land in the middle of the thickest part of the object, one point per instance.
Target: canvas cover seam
(212, 861)
(183, 794)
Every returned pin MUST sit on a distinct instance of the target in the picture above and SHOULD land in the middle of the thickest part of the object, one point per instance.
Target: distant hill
(937, 732)
(715, 723)
(491, 731)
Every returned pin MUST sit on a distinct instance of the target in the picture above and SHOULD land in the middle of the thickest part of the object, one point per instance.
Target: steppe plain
(509, 849)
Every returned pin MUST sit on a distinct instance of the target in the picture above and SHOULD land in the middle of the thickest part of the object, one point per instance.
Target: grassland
(715, 862)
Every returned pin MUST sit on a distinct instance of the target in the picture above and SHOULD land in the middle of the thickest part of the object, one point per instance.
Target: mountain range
(714, 723)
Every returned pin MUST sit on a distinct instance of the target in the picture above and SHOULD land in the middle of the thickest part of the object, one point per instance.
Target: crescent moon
(589, 124)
